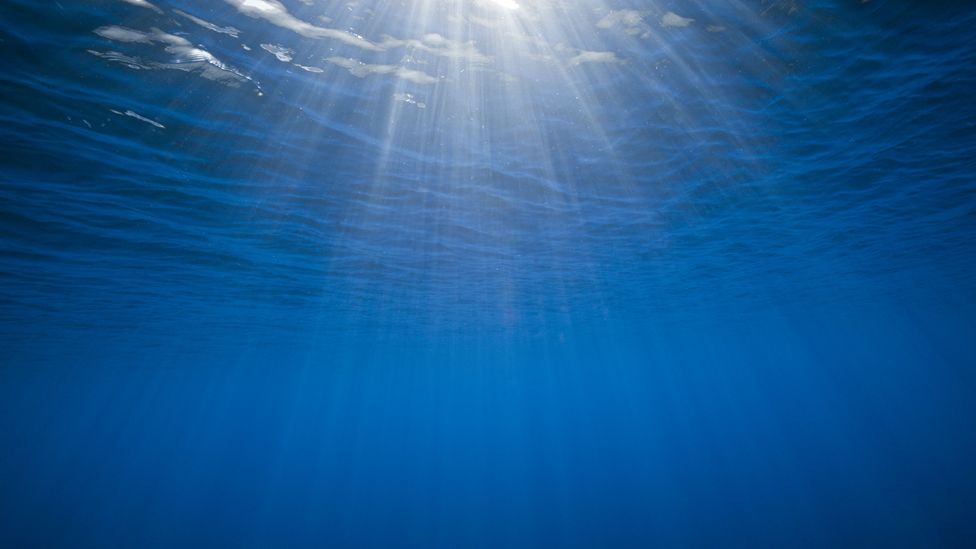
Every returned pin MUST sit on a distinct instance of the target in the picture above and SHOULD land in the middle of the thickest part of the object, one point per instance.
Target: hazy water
(464, 273)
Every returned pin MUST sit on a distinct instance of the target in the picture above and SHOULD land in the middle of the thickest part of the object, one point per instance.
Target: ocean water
(487, 273)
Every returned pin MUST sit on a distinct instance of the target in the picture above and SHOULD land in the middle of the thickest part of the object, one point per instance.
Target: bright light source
(507, 4)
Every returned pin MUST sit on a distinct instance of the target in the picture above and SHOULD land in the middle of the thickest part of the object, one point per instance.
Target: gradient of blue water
(718, 291)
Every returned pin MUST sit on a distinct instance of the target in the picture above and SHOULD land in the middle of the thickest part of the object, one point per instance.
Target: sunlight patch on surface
(275, 13)
(180, 54)
(230, 31)
(143, 4)
(360, 69)
(594, 57)
(671, 19)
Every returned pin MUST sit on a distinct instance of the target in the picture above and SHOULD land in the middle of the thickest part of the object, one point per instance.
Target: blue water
(487, 273)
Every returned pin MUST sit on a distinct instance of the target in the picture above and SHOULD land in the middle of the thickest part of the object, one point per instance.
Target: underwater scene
(487, 273)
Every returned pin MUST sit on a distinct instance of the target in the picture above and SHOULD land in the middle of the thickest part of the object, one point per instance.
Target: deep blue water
(468, 273)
